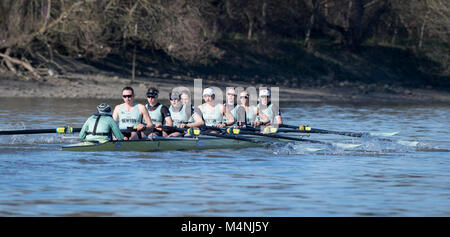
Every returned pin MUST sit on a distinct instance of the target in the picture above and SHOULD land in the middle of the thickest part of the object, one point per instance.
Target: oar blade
(383, 134)
(346, 146)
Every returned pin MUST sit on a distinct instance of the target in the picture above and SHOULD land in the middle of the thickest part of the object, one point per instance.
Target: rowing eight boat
(171, 143)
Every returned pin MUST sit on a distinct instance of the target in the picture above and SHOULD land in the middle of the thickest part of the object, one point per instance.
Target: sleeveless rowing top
(212, 118)
(268, 112)
(180, 116)
(250, 115)
(232, 112)
(155, 115)
(129, 118)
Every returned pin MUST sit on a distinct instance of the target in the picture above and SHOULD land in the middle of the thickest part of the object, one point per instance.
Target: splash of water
(37, 139)
(365, 145)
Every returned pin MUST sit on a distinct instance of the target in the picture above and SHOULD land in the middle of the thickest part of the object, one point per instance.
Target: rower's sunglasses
(244, 97)
(151, 96)
(127, 96)
(174, 98)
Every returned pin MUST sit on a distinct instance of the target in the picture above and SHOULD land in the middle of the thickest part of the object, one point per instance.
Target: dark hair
(128, 88)
(186, 93)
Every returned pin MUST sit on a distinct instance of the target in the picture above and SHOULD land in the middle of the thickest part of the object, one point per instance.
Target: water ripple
(378, 178)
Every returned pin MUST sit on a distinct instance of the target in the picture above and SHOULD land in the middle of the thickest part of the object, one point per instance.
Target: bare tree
(353, 20)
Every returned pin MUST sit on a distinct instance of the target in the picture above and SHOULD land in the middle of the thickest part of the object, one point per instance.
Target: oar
(64, 130)
(196, 132)
(238, 131)
(270, 129)
(307, 129)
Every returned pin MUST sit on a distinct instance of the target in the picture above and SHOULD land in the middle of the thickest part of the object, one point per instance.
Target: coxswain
(100, 126)
(130, 115)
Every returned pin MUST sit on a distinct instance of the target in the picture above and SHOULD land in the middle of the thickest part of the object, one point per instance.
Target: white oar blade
(408, 143)
(383, 134)
(310, 149)
(346, 146)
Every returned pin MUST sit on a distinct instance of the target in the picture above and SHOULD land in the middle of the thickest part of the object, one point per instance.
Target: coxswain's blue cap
(104, 109)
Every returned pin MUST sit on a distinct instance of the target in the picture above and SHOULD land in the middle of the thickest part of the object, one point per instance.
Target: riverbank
(102, 86)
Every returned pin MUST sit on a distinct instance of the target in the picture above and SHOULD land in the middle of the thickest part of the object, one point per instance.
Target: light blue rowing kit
(181, 116)
(212, 118)
(158, 113)
(129, 118)
(100, 128)
(269, 112)
(250, 115)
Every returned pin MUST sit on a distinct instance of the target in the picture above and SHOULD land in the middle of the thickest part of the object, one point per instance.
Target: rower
(272, 112)
(181, 116)
(212, 112)
(100, 126)
(234, 109)
(251, 111)
(159, 113)
(130, 114)
(185, 98)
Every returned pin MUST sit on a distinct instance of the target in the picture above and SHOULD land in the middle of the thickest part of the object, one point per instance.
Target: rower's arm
(167, 116)
(169, 121)
(262, 115)
(230, 118)
(198, 120)
(145, 115)
(279, 119)
(115, 129)
(276, 111)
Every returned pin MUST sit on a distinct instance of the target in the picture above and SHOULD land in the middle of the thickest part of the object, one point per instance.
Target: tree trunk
(422, 29)
(250, 25)
(394, 35)
(308, 31)
(263, 17)
(8, 63)
(133, 70)
(22, 63)
(309, 27)
(228, 8)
